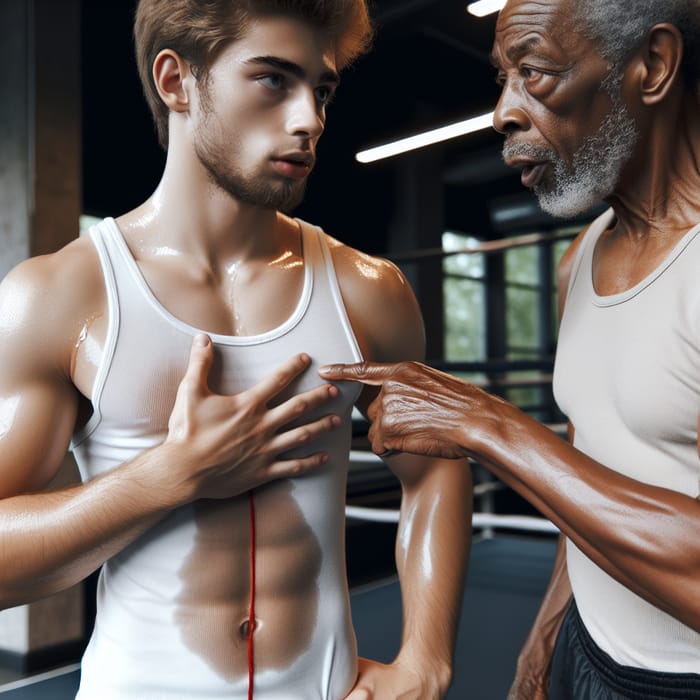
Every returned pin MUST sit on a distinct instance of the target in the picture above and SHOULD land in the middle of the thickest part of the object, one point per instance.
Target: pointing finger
(373, 373)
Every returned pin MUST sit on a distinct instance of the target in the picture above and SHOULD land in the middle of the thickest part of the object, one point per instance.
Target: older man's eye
(530, 73)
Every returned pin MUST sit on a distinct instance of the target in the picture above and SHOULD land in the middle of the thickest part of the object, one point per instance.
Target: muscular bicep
(36, 423)
(383, 311)
(397, 322)
(38, 403)
(381, 306)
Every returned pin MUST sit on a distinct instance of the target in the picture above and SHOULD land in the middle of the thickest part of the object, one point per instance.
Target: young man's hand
(376, 681)
(222, 446)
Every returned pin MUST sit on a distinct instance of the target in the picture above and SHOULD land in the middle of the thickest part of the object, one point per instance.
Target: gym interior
(77, 144)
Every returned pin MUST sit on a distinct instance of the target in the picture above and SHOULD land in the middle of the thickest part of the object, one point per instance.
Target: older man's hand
(419, 409)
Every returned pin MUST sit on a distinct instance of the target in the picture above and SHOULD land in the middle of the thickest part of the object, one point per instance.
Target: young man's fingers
(303, 435)
(201, 356)
(287, 468)
(296, 406)
(278, 380)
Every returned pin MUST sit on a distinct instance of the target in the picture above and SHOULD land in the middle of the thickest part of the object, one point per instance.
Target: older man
(599, 101)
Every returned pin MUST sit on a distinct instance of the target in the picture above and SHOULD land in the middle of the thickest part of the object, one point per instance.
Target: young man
(600, 100)
(220, 579)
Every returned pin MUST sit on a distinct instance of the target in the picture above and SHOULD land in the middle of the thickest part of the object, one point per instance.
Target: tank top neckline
(604, 300)
(219, 338)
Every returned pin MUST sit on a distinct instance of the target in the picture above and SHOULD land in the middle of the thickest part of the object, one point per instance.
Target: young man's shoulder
(47, 292)
(380, 302)
(373, 274)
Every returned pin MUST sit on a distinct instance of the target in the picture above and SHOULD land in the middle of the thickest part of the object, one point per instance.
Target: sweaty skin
(218, 260)
(646, 537)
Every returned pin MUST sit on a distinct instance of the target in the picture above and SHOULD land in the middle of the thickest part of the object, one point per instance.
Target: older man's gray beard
(595, 170)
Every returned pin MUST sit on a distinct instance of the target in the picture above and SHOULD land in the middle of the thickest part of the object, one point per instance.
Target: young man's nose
(306, 115)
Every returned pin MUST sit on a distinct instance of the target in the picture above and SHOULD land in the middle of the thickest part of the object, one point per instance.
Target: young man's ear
(173, 79)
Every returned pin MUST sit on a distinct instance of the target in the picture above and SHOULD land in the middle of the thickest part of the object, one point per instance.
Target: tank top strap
(107, 234)
(583, 260)
(326, 289)
(102, 238)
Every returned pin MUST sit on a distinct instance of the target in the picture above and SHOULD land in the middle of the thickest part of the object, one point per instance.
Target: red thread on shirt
(251, 612)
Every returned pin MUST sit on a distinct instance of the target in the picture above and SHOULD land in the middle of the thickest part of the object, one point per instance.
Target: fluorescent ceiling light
(427, 138)
(485, 7)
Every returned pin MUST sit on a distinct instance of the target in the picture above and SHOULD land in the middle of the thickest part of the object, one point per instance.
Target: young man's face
(569, 134)
(262, 110)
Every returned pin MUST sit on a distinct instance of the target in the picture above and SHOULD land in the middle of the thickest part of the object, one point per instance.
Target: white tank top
(627, 375)
(150, 641)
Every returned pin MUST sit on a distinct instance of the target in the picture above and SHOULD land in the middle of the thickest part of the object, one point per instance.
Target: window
(464, 299)
(523, 293)
(512, 357)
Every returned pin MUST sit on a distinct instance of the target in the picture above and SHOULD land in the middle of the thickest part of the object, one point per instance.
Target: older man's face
(566, 132)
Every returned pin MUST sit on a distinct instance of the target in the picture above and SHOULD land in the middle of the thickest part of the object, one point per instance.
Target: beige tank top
(627, 375)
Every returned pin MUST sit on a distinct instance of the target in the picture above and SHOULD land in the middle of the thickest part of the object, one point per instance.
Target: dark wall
(428, 66)
(122, 160)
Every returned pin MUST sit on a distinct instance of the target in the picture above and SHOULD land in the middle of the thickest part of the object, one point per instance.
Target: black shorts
(583, 671)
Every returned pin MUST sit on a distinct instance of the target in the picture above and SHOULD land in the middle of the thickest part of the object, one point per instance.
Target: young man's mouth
(294, 165)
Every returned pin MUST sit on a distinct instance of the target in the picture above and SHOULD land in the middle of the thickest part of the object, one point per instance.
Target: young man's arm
(434, 533)
(51, 540)
(432, 552)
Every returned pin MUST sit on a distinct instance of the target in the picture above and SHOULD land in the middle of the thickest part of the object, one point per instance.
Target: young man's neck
(189, 212)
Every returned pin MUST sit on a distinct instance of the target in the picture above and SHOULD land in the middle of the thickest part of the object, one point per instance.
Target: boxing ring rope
(485, 247)
(526, 523)
(485, 521)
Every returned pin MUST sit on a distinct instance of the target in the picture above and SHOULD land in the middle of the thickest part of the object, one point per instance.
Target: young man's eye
(273, 81)
(324, 94)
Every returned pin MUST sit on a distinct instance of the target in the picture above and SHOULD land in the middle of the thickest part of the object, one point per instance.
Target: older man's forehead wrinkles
(529, 15)
(513, 52)
(523, 46)
(532, 11)
(523, 27)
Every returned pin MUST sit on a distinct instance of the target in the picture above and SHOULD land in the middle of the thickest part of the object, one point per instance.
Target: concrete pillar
(40, 203)
(16, 199)
(418, 225)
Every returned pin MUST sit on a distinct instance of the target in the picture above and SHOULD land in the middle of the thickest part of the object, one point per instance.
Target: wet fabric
(167, 605)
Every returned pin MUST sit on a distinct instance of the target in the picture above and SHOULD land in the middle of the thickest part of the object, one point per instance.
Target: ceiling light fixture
(427, 138)
(485, 7)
